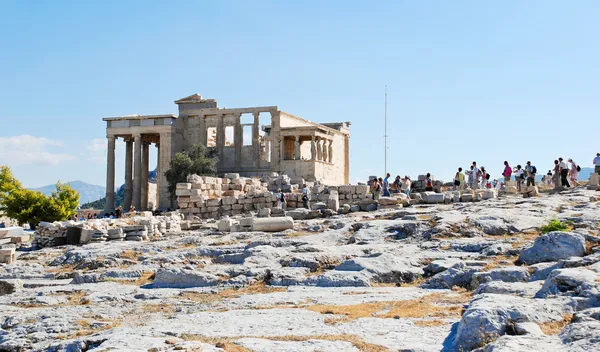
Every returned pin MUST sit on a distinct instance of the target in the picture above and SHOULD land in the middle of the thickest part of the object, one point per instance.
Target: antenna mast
(385, 136)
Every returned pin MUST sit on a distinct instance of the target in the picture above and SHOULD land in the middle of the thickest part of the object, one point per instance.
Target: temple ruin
(245, 142)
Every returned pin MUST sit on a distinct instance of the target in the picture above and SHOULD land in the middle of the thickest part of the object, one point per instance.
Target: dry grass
(496, 262)
(74, 298)
(228, 345)
(255, 289)
(61, 269)
(157, 308)
(430, 323)
(435, 305)
(130, 254)
(556, 327)
(300, 234)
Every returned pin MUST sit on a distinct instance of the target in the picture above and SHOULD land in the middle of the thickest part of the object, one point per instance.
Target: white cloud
(27, 149)
(98, 147)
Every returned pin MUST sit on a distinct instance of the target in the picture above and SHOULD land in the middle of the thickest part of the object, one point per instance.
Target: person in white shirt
(573, 173)
(597, 163)
(518, 172)
(564, 172)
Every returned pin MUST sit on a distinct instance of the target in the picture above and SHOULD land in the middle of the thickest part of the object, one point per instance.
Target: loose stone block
(183, 192)
(213, 202)
(11, 231)
(183, 186)
(272, 224)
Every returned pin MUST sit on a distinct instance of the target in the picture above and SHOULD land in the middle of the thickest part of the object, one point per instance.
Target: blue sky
(467, 80)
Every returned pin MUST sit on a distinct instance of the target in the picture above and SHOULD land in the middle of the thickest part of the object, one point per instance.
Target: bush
(199, 160)
(27, 206)
(556, 225)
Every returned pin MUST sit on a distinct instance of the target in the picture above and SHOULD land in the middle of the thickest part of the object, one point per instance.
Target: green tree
(27, 206)
(198, 160)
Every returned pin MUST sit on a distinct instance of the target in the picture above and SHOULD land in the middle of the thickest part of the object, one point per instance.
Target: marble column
(145, 165)
(330, 150)
(255, 140)
(164, 164)
(110, 175)
(137, 174)
(128, 174)
(220, 137)
(296, 147)
(313, 149)
(325, 153)
(319, 150)
(238, 140)
(158, 178)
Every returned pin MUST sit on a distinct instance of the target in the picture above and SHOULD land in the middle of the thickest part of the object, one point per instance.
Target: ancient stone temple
(250, 141)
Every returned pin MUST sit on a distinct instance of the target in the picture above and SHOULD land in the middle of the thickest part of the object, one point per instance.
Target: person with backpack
(280, 199)
(519, 177)
(531, 171)
(428, 183)
(564, 173)
(459, 180)
(485, 177)
(574, 172)
(507, 172)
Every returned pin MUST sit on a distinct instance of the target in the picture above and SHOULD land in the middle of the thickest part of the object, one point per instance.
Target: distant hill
(100, 202)
(86, 191)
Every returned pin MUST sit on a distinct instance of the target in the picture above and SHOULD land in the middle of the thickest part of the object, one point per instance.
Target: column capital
(111, 137)
(256, 113)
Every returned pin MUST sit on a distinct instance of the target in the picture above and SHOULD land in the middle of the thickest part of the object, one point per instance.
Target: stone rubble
(445, 276)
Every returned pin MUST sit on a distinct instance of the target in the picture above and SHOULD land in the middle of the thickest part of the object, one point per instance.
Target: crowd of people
(564, 174)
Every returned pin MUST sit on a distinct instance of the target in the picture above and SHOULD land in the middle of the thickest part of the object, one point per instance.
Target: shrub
(199, 160)
(27, 206)
(555, 225)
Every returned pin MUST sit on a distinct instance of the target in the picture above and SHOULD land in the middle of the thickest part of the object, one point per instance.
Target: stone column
(137, 174)
(297, 147)
(164, 163)
(330, 150)
(110, 175)
(238, 140)
(325, 152)
(158, 173)
(319, 150)
(128, 174)
(220, 137)
(202, 129)
(313, 148)
(255, 140)
(145, 165)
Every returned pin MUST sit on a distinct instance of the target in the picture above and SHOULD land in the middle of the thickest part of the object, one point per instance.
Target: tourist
(2, 225)
(305, 196)
(564, 173)
(397, 185)
(597, 163)
(556, 174)
(132, 209)
(386, 185)
(549, 177)
(280, 199)
(519, 177)
(459, 180)
(507, 172)
(428, 183)
(376, 188)
(574, 173)
(531, 171)
(476, 176)
(470, 177)
(119, 211)
(406, 185)
(484, 178)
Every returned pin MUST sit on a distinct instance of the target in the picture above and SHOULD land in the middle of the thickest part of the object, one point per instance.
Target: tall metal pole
(385, 136)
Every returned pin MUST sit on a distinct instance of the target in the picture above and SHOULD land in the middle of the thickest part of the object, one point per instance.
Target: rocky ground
(454, 277)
